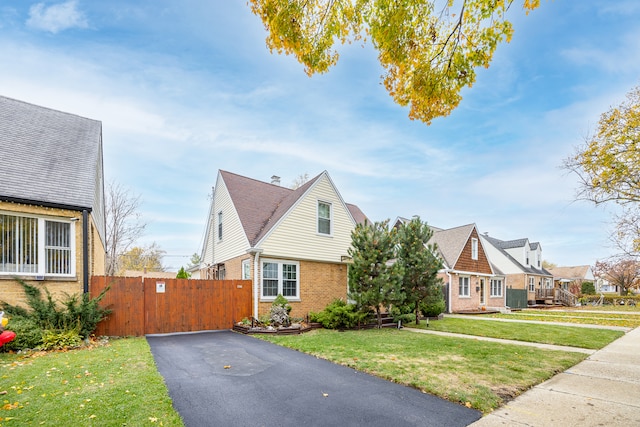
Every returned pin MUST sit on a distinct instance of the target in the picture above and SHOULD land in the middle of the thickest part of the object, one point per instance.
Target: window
(35, 246)
(527, 258)
(547, 283)
(463, 286)
(474, 248)
(280, 277)
(220, 225)
(246, 269)
(324, 218)
(496, 287)
(532, 284)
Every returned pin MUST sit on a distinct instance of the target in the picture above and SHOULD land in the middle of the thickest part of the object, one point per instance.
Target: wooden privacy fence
(155, 306)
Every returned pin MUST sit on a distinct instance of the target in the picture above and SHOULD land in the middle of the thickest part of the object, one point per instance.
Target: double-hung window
(463, 286)
(36, 246)
(496, 287)
(324, 218)
(280, 277)
(532, 284)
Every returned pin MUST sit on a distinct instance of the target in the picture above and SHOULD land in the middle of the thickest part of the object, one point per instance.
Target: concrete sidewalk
(602, 390)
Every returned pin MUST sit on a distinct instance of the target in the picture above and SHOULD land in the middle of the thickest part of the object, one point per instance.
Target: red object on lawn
(6, 336)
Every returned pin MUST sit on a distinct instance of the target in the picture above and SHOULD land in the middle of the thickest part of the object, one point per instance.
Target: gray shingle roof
(49, 157)
(451, 242)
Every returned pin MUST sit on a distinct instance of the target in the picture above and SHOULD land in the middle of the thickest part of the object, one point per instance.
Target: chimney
(275, 180)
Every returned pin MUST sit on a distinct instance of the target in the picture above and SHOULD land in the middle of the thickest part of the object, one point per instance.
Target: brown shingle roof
(573, 273)
(261, 205)
(451, 242)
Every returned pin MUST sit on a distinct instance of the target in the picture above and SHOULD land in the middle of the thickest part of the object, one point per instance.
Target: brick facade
(11, 291)
(320, 283)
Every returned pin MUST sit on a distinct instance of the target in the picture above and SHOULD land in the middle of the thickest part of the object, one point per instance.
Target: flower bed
(294, 329)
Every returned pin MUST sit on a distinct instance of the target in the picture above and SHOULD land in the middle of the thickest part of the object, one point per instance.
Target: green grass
(479, 374)
(110, 385)
(627, 319)
(573, 336)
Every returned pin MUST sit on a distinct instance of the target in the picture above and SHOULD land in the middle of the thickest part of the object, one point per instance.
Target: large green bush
(587, 288)
(28, 334)
(76, 313)
(340, 315)
(433, 306)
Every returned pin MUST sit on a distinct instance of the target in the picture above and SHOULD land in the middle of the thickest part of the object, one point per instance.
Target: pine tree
(374, 280)
(419, 262)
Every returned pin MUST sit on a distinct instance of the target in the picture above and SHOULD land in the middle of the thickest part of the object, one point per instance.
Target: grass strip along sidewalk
(569, 336)
(625, 319)
(479, 374)
(115, 384)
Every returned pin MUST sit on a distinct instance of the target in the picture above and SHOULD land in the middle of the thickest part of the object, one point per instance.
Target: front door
(482, 293)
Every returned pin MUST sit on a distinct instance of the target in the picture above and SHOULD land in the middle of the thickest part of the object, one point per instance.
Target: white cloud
(56, 18)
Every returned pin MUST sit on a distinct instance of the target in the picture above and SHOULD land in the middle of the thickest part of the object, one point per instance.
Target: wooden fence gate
(156, 306)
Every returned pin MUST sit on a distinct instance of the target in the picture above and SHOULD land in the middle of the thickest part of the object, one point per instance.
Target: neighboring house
(603, 286)
(521, 262)
(288, 242)
(472, 282)
(52, 215)
(571, 278)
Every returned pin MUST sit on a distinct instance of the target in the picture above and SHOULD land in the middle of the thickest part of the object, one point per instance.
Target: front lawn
(573, 336)
(108, 385)
(479, 374)
(630, 319)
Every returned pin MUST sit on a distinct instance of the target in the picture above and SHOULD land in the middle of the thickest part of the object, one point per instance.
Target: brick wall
(320, 283)
(11, 291)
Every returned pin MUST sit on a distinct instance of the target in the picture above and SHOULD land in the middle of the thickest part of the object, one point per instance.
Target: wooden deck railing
(559, 296)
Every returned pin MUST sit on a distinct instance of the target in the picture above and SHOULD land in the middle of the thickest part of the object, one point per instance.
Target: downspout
(85, 250)
(449, 291)
(256, 282)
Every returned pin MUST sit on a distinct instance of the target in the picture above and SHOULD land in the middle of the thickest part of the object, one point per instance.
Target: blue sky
(184, 88)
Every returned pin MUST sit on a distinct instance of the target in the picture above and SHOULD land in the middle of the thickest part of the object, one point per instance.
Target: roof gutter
(44, 204)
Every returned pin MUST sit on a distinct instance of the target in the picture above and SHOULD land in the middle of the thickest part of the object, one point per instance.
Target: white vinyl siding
(36, 246)
(296, 235)
(234, 242)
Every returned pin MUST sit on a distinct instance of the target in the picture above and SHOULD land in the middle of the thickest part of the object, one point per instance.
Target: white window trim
(246, 262)
(41, 246)
(532, 284)
(468, 294)
(499, 294)
(219, 221)
(474, 249)
(330, 218)
(280, 262)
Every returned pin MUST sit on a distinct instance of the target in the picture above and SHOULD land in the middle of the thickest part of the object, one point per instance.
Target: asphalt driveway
(223, 378)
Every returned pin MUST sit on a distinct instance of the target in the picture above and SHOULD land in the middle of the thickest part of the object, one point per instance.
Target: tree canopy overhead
(429, 49)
